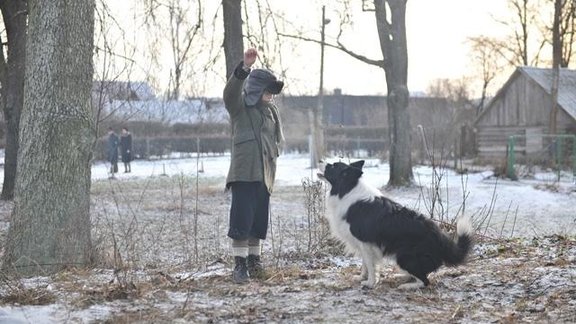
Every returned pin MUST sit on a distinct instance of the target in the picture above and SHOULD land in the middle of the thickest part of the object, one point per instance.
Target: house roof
(566, 85)
(124, 90)
(190, 111)
(543, 77)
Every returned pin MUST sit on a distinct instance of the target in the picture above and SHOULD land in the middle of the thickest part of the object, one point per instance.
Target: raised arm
(233, 90)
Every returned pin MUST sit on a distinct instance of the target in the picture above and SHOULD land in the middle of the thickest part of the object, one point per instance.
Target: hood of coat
(258, 81)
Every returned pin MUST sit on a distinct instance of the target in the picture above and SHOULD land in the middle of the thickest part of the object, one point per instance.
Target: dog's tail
(457, 252)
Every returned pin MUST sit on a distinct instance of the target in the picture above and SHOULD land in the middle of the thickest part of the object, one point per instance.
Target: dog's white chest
(336, 211)
(337, 208)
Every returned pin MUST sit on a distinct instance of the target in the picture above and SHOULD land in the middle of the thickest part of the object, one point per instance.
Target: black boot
(240, 273)
(255, 267)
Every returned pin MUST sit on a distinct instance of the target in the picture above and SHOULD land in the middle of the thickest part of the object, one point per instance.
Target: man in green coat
(257, 135)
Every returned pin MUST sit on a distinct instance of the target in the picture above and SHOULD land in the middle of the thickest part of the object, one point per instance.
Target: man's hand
(250, 57)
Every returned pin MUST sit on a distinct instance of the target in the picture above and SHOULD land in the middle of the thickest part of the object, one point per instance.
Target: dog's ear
(358, 164)
(353, 171)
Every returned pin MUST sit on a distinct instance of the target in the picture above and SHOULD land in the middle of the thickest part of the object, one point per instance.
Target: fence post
(311, 150)
(573, 155)
(510, 173)
(147, 148)
(559, 149)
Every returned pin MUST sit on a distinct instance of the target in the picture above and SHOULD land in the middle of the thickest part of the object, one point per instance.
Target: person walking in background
(257, 135)
(126, 149)
(112, 150)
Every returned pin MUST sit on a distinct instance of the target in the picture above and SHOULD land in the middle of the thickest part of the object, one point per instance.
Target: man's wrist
(246, 67)
(240, 72)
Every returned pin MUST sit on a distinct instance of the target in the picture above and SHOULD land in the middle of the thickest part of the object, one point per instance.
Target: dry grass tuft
(30, 296)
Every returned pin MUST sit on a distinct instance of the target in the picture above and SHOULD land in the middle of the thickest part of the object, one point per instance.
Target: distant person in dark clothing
(112, 150)
(126, 149)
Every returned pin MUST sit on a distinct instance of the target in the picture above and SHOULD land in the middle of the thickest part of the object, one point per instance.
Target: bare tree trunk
(523, 17)
(394, 49)
(567, 31)
(14, 14)
(392, 35)
(556, 61)
(233, 40)
(50, 224)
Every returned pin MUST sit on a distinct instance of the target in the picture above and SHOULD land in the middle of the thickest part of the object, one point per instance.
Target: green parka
(256, 135)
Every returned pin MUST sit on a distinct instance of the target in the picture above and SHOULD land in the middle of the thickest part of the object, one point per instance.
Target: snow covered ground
(527, 207)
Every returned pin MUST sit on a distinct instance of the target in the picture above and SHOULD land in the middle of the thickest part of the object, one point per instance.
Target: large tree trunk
(392, 36)
(50, 223)
(233, 40)
(556, 61)
(14, 14)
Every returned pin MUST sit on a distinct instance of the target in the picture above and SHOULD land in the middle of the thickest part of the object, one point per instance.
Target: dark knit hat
(258, 81)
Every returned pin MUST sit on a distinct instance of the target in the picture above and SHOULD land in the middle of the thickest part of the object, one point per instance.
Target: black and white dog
(374, 227)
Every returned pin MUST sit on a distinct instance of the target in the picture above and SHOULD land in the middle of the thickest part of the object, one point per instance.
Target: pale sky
(436, 32)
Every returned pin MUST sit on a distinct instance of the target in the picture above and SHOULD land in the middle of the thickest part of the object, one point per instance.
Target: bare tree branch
(340, 47)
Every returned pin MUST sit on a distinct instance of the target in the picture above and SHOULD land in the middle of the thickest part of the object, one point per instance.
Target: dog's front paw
(364, 273)
(411, 285)
(368, 284)
(361, 277)
(402, 277)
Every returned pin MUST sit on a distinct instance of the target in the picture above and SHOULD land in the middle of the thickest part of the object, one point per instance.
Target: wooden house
(522, 107)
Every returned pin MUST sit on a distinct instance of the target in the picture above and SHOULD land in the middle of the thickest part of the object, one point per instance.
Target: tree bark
(567, 31)
(50, 224)
(233, 39)
(556, 61)
(395, 52)
(14, 14)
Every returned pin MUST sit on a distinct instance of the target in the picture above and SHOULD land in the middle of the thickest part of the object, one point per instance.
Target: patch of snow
(47, 314)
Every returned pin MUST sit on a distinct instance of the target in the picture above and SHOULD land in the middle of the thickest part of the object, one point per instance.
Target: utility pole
(317, 127)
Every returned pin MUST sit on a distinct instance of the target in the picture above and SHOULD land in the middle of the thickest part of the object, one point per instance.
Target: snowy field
(528, 207)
